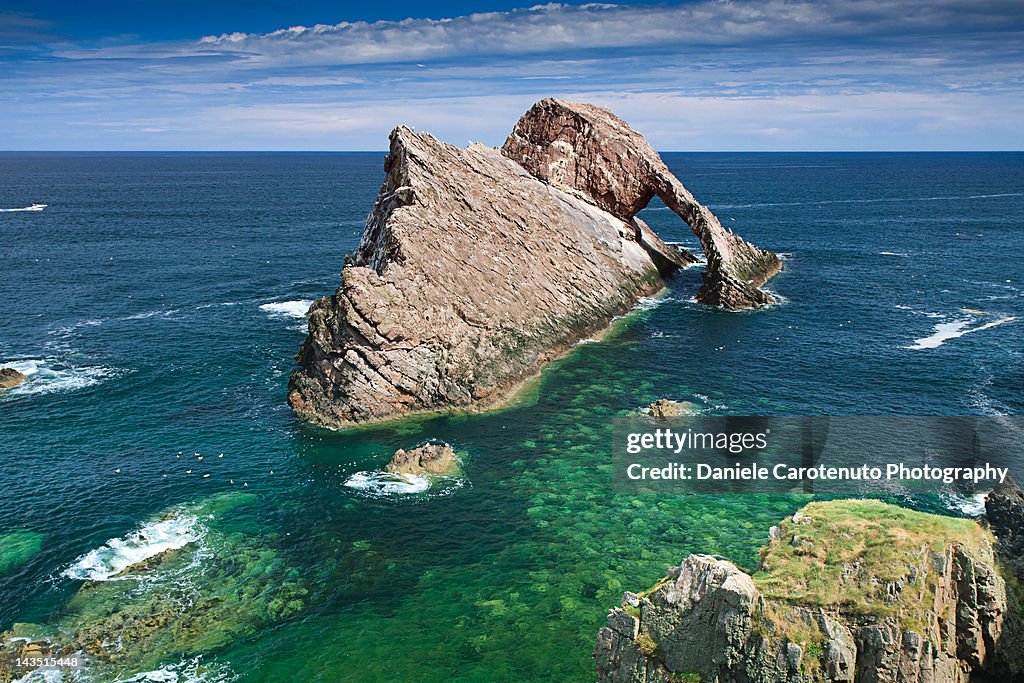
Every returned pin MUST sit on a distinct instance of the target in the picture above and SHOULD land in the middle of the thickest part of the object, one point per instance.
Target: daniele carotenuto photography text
(628, 342)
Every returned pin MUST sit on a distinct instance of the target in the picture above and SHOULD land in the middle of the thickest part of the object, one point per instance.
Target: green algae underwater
(161, 336)
(505, 576)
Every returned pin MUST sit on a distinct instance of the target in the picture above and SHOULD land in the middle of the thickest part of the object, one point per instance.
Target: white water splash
(48, 375)
(118, 554)
(970, 506)
(287, 309)
(384, 484)
(952, 330)
(187, 671)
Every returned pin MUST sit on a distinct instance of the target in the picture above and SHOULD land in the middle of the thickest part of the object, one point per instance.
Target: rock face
(1004, 508)
(9, 377)
(427, 459)
(940, 619)
(589, 149)
(472, 273)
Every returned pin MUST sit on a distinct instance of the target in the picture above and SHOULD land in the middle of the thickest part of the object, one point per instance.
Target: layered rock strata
(589, 149)
(473, 272)
(940, 617)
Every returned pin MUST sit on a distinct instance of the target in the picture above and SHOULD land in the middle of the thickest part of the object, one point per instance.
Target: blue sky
(697, 75)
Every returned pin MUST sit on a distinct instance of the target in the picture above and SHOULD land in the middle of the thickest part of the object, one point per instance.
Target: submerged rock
(873, 593)
(427, 459)
(9, 378)
(475, 269)
(178, 603)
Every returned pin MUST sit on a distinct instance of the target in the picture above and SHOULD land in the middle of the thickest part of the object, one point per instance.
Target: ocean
(157, 304)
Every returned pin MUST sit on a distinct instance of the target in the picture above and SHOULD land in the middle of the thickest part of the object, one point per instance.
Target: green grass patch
(866, 558)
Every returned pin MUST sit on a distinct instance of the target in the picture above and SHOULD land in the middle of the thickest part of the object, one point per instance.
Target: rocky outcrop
(931, 612)
(472, 273)
(665, 408)
(1004, 509)
(427, 459)
(9, 378)
(590, 150)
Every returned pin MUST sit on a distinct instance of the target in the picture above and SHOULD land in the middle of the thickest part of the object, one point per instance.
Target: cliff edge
(848, 591)
(474, 269)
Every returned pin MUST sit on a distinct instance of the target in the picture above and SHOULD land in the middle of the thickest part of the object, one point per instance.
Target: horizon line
(384, 151)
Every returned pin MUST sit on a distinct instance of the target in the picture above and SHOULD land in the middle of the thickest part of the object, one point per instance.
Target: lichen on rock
(852, 591)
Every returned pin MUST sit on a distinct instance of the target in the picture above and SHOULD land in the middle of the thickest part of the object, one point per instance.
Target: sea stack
(479, 265)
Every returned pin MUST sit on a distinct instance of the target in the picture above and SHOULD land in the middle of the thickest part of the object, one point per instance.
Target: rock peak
(589, 149)
(478, 265)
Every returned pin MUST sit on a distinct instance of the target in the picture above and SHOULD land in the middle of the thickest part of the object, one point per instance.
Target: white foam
(387, 484)
(287, 309)
(109, 560)
(161, 313)
(46, 375)
(33, 207)
(970, 506)
(952, 330)
(893, 253)
(186, 671)
(648, 303)
(42, 676)
(383, 484)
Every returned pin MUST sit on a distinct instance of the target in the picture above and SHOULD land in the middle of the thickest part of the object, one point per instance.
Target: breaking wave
(287, 309)
(47, 375)
(187, 671)
(107, 562)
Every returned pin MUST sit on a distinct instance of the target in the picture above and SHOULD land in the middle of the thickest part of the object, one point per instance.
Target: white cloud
(715, 74)
(555, 27)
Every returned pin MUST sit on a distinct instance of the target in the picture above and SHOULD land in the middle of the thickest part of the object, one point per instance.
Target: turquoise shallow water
(157, 301)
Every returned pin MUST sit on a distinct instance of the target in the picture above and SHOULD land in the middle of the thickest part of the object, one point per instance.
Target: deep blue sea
(157, 303)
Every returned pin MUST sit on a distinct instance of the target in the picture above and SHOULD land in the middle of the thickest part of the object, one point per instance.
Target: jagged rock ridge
(470, 275)
(940, 618)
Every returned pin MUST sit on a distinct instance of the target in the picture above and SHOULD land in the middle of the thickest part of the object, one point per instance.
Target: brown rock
(1004, 509)
(9, 377)
(710, 621)
(472, 273)
(589, 149)
(427, 459)
(664, 408)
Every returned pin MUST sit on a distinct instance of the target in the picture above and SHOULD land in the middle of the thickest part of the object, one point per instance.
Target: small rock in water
(9, 378)
(427, 459)
(664, 408)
